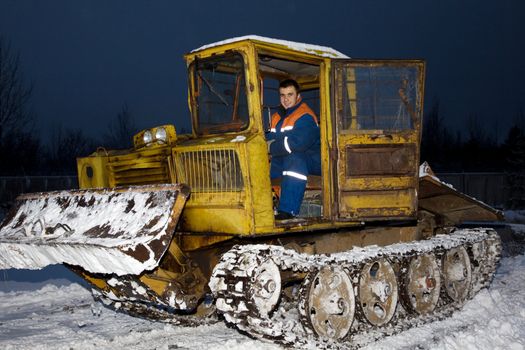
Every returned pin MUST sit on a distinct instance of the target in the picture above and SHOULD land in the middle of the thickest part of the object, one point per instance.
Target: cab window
(219, 96)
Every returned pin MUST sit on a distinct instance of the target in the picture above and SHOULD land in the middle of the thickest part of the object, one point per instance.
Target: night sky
(86, 59)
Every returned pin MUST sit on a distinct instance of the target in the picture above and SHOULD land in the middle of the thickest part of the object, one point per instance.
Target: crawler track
(247, 287)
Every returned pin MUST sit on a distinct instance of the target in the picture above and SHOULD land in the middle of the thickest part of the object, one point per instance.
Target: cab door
(377, 108)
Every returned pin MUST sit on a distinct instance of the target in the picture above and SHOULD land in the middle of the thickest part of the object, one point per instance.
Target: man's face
(288, 96)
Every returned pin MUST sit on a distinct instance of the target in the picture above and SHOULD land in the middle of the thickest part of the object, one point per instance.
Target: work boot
(282, 215)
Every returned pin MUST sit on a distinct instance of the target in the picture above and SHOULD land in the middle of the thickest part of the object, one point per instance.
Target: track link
(244, 284)
(156, 312)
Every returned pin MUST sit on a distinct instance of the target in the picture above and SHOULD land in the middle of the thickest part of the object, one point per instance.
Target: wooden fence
(12, 186)
(490, 188)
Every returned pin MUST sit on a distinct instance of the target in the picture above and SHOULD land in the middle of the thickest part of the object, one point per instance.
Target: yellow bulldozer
(181, 228)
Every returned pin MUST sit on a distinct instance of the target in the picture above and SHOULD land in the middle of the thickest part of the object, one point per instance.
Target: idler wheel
(265, 287)
(422, 284)
(378, 294)
(457, 275)
(331, 303)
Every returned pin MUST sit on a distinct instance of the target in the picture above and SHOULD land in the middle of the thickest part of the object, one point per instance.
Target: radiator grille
(210, 170)
(139, 169)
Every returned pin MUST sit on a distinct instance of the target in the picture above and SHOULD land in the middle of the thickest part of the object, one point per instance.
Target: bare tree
(514, 152)
(65, 147)
(121, 130)
(19, 147)
(14, 95)
(475, 129)
(437, 140)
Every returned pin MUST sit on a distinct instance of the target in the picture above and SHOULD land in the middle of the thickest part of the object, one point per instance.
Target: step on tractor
(181, 228)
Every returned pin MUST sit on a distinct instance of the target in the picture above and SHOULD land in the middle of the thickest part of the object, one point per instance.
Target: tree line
(22, 152)
(477, 150)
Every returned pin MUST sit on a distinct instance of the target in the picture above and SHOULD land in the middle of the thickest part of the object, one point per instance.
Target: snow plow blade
(441, 198)
(123, 230)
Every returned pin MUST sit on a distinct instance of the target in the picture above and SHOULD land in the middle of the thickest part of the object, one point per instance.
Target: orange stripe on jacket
(292, 118)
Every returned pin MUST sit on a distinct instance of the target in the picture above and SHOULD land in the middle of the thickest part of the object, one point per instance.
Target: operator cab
(369, 116)
(273, 70)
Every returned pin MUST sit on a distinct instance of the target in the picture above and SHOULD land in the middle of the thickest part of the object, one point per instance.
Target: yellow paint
(217, 200)
(193, 242)
(258, 165)
(177, 253)
(326, 133)
(387, 199)
(376, 137)
(352, 95)
(156, 285)
(164, 274)
(378, 183)
(97, 282)
(382, 204)
(216, 219)
(99, 175)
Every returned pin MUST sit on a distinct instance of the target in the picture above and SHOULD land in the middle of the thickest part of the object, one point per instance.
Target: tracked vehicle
(181, 227)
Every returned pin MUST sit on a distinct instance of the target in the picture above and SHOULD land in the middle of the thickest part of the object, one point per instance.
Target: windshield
(219, 94)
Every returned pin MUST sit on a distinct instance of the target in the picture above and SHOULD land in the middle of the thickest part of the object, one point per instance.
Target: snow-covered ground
(61, 314)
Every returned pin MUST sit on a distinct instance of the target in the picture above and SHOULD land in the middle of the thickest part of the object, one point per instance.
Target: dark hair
(289, 82)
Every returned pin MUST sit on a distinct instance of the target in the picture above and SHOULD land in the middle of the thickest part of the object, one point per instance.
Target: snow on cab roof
(317, 50)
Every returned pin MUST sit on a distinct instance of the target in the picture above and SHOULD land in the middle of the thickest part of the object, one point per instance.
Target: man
(295, 147)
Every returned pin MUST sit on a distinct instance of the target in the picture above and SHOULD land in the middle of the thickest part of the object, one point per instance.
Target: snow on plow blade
(124, 230)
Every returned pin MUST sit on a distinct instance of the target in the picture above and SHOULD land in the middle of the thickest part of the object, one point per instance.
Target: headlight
(147, 137)
(161, 135)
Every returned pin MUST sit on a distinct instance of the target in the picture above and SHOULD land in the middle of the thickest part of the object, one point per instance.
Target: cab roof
(320, 51)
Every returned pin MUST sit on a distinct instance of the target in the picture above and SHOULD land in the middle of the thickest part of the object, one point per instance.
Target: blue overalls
(296, 153)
